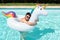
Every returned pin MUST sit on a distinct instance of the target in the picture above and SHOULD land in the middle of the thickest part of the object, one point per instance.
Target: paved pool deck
(27, 6)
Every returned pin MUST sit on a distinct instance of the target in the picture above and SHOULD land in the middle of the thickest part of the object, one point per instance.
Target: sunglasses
(27, 16)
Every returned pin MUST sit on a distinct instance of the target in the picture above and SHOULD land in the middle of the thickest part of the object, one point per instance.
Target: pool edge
(27, 6)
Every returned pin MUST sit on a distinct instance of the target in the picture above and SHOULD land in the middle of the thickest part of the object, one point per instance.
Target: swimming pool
(48, 27)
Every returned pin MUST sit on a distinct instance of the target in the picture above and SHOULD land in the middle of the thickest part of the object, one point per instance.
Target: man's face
(27, 17)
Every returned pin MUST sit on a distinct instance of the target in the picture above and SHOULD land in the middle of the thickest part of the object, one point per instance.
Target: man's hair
(28, 14)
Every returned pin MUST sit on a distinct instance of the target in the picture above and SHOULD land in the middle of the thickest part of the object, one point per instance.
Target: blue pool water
(48, 27)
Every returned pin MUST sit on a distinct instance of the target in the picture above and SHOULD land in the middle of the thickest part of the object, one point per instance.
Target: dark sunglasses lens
(28, 17)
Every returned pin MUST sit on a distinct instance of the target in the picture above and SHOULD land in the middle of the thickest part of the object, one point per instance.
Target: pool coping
(27, 6)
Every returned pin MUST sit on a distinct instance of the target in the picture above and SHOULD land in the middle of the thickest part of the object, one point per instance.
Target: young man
(26, 18)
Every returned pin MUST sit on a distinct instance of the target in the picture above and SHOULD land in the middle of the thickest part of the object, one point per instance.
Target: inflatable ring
(15, 24)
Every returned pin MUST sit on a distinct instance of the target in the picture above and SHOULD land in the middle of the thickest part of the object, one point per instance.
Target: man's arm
(30, 23)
